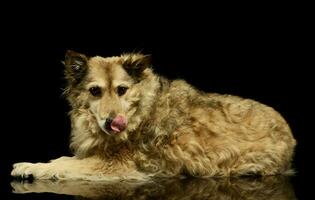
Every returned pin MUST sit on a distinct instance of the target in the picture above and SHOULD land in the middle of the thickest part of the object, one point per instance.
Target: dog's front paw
(23, 170)
(32, 171)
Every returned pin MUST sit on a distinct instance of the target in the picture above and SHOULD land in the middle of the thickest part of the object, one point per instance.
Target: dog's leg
(73, 168)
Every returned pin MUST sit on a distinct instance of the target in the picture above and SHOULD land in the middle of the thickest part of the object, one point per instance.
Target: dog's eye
(95, 91)
(121, 90)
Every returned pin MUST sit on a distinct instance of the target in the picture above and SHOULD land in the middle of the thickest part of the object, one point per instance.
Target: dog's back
(216, 135)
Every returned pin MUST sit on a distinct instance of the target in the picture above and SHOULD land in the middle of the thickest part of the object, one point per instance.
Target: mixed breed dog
(130, 123)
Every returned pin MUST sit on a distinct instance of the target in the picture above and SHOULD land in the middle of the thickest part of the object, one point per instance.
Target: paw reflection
(271, 188)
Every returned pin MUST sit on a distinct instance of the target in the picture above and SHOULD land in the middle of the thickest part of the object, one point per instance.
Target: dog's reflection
(271, 188)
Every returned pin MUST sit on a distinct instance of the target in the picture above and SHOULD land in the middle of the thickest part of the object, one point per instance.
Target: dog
(130, 123)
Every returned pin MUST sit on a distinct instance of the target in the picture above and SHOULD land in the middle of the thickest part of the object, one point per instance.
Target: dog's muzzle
(115, 125)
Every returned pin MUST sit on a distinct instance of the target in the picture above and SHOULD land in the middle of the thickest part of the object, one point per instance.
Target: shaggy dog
(129, 123)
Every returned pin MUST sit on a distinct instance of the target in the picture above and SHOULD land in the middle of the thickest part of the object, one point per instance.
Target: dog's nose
(108, 123)
(116, 125)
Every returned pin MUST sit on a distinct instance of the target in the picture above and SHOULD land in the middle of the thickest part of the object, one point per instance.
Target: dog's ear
(135, 64)
(75, 66)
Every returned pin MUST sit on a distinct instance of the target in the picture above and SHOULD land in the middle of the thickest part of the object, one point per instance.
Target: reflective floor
(262, 188)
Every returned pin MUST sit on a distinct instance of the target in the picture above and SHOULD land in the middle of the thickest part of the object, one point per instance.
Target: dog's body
(128, 122)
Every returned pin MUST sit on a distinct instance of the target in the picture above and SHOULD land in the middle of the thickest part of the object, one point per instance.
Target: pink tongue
(119, 124)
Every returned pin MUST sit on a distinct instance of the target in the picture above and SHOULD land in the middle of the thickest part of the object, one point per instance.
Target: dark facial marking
(109, 76)
(95, 91)
(121, 90)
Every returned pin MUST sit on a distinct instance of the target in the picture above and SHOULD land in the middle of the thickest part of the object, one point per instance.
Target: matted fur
(173, 129)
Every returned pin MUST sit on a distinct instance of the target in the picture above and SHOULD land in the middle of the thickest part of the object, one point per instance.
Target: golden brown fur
(173, 129)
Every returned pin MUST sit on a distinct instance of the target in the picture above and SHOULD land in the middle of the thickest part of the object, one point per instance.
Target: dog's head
(110, 88)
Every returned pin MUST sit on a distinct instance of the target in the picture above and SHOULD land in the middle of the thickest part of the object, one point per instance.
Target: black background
(261, 55)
